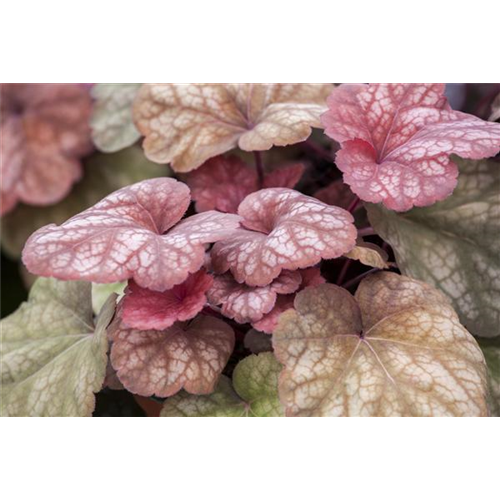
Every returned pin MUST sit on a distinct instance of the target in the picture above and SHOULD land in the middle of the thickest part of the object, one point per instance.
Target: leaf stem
(353, 205)
(358, 278)
(343, 271)
(259, 167)
(366, 231)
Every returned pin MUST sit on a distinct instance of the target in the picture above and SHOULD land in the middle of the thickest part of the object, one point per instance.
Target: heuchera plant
(250, 288)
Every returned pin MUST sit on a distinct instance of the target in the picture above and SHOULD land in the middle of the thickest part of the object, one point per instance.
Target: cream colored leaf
(369, 254)
(53, 357)
(185, 125)
(454, 245)
(388, 352)
(111, 122)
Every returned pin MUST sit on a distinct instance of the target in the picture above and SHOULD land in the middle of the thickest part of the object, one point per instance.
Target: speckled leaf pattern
(397, 139)
(255, 379)
(285, 230)
(186, 124)
(397, 349)
(133, 233)
(454, 245)
(53, 357)
(491, 351)
(104, 173)
(112, 124)
(186, 355)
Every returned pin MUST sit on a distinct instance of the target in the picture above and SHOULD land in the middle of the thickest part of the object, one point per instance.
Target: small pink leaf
(145, 309)
(130, 234)
(184, 356)
(244, 303)
(222, 183)
(397, 139)
(310, 277)
(285, 230)
(45, 132)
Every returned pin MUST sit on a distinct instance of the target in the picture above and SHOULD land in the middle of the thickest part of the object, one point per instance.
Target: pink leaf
(310, 277)
(130, 234)
(145, 309)
(397, 139)
(44, 133)
(222, 183)
(285, 230)
(245, 304)
(189, 356)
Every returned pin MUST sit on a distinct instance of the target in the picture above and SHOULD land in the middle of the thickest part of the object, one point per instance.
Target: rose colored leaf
(369, 254)
(44, 132)
(337, 193)
(257, 342)
(112, 125)
(185, 125)
(223, 402)
(53, 357)
(310, 277)
(285, 230)
(365, 356)
(222, 183)
(454, 245)
(190, 356)
(491, 351)
(103, 175)
(111, 380)
(125, 236)
(397, 138)
(145, 309)
(495, 109)
(244, 303)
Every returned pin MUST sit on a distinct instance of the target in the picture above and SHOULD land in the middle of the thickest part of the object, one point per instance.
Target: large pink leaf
(244, 303)
(131, 233)
(269, 321)
(190, 356)
(397, 139)
(145, 309)
(285, 230)
(44, 133)
(222, 183)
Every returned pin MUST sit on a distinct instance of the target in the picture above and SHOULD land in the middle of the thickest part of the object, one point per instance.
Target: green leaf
(255, 379)
(223, 402)
(104, 173)
(112, 126)
(491, 351)
(53, 357)
(254, 393)
(102, 291)
(455, 244)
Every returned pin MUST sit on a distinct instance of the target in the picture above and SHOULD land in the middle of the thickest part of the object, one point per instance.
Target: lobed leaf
(394, 350)
(454, 245)
(53, 357)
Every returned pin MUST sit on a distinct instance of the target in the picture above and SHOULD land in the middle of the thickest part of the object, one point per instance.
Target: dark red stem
(259, 167)
(353, 205)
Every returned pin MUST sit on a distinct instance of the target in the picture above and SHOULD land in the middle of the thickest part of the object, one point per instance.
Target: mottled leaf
(134, 233)
(185, 125)
(397, 139)
(285, 230)
(112, 124)
(454, 245)
(103, 175)
(53, 357)
(369, 254)
(186, 355)
(397, 349)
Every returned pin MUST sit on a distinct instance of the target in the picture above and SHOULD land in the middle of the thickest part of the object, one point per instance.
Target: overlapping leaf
(454, 245)
(285, 230)
(112, 124)
(44, 132)
(103, 175)
(145, 309)
(397, 139)
(186, 355)
(398, 349)
(369, 254)
(132, 233)
(53, 357)
(222, 183)
(185, 125)
(491, 351)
